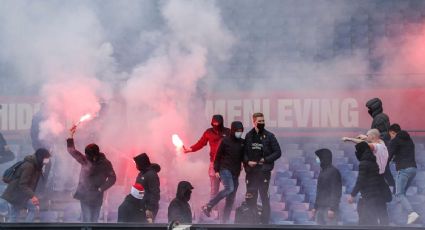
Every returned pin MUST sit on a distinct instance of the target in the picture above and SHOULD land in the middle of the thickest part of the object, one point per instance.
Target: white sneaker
(412, 217)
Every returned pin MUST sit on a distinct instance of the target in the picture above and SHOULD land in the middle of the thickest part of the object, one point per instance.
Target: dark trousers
(389, 177)
(372, 211)
(258, 181)
(89, 213)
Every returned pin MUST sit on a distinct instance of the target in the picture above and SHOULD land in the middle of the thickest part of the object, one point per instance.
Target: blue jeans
(403, 181)
(230, 184)
(89, 213)
(14, 212)
(214, 181)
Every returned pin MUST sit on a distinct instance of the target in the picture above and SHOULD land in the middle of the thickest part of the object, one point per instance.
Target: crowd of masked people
(229, 155)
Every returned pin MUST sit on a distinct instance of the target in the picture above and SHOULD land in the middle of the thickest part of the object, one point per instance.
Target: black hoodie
(402, 149)
(148, 177)
(132, 210)
(381, 121)
(179, 208)
(329, 183)
(230, 152)
(369, 182)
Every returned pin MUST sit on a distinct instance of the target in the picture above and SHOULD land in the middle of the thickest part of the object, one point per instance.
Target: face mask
(137, 194)
(187, 195)
(317, 160)
(46, 161)
(238, 135)
(260, 126)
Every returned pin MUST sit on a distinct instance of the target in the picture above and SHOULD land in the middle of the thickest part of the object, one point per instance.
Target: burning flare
(177, 142)
(84, 118)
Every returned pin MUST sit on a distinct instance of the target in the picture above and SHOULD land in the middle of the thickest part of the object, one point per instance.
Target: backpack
(245, 215)
(9, 174)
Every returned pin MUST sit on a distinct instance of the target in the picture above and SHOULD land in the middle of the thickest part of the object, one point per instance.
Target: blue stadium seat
(294, 198)
(285, 181)
(49, 216)
(278, 216)
(299, 206)
(300, 216)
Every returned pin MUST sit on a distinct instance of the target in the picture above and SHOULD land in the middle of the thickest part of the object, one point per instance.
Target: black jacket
(132, 210)
(148, 177)
(402, 151)
(179, 208)
(271, 150)
(369, 182)
(94, 176)
(381, 121)
(22, 188)
(329, 183)
(230, 155)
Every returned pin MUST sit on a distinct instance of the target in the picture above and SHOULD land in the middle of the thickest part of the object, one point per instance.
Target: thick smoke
(71, 55)
(144, 68)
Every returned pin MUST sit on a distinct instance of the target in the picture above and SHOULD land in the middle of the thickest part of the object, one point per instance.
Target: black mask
(187, 195)
(260, 127)
(216, 127)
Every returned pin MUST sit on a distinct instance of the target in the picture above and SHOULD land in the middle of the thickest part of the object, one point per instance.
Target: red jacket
(213, 138)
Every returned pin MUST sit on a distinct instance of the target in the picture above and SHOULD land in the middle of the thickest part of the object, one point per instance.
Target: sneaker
(206, 210)
(412, 217)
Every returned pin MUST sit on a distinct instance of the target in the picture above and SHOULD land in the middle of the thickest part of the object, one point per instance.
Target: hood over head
(40, 155)
(142, 161)
(92, 151)
(219, 119)
(374, 107)
(236, 125)
(325, 156)
(184, 190)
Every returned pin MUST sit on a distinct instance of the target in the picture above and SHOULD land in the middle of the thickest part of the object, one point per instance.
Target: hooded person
(149, 179)
(212, 136)
(374, 190)
(381, 122)
(179, 208)
(329, 190)
(96, 176)
(20, 192)
(227, 167)
(132, 209)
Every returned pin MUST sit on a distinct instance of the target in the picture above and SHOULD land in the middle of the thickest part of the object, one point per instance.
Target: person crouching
(132, 209)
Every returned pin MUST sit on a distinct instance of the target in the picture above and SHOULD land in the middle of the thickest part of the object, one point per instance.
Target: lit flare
(177, 142)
